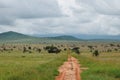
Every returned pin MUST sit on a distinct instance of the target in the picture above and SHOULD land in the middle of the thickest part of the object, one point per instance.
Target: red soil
(70, 70)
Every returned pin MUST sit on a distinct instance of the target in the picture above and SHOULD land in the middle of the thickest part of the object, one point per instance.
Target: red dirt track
(70, 70)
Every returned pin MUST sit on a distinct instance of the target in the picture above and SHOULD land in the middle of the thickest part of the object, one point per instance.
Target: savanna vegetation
(40, 61)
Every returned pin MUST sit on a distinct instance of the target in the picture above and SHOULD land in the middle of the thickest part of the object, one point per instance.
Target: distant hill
(13, 36)
(64, 37)
(18, 37)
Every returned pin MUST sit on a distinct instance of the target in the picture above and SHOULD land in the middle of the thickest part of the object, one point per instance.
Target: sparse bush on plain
(76, 50)
(96, 53)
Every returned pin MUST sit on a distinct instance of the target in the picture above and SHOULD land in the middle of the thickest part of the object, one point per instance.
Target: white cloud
(99, 17)
(15, 9)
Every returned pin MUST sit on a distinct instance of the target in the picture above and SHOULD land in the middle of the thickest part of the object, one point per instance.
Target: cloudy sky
(73, 17)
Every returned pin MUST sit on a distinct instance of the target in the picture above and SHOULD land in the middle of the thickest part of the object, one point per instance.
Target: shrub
(76, 50)
(96, 53)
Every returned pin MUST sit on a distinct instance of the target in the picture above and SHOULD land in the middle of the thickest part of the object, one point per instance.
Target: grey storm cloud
(101, 17)
(1, 5)
(11, 10)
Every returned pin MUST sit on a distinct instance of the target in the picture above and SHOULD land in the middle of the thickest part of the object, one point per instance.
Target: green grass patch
(99, 69)
(30, 67)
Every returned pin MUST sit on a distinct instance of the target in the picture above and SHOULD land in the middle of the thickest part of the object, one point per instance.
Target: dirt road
(70, 70)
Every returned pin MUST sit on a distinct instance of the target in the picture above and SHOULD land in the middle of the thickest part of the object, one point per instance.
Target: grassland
(104, 67)
(16, 65)
(30, 66)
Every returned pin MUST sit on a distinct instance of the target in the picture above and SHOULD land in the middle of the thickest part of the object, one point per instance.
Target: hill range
(11, 36)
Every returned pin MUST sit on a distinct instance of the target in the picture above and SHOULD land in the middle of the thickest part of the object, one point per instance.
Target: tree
(52, 49)
(29, 47)
(24, 49)
(96, 53)
(39, 50)
(90, 47)
(76, 50)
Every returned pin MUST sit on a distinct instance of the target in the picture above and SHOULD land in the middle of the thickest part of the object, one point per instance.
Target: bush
(52, 49)
(96, 53)
(76, 50)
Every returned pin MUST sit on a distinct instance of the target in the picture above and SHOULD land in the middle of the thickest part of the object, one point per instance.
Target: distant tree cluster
(52, 49)
(29, 49)
(76, 50)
